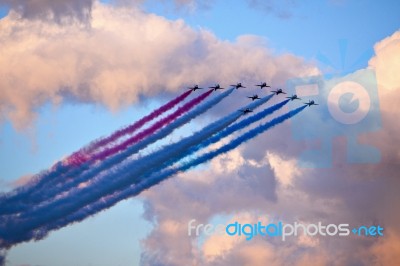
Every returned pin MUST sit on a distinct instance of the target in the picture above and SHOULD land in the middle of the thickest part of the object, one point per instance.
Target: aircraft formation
(255, 96)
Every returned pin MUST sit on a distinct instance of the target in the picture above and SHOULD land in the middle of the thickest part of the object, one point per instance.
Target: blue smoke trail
(39, 180)
(118, 179)
(241, 139)
(228, 131)
(88, 171)
(218, 136)
(2, 257)
(157, 177)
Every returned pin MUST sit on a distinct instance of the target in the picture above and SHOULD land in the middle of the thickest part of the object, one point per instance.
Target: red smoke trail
(78, 157)
(139, 136)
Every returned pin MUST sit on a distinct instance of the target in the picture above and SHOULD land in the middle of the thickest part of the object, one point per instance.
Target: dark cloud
(51, 9)
(71, 10)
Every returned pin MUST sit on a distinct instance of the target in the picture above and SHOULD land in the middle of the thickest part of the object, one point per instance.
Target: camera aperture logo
(283, 230)
(348, 107)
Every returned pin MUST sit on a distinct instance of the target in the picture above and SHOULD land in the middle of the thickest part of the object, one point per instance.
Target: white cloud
(354, 194)
(124, 53)
(386, 63)
(285, 169)
(120, 54)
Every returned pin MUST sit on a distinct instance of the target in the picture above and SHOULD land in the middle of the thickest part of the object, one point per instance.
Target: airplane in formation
(216, 87)
(278, 91)
(263, 85)
(311, 102)
(246, 111)
(254, 97)
(194, 88)
(238, 85)
(293, 97)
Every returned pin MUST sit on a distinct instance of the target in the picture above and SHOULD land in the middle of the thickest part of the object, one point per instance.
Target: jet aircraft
(263, 85)
(254, 97)
(246, 111)
(194, 88)
(238, 85)
(216, 87)
(311, 102)
(279, 91)
(293, 97)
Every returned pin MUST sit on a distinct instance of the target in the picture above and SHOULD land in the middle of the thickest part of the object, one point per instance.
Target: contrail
(157, 177)
(2, 257)
(206, 142)
(88, 171)
(39, 180)
(15, 232)
(76, 157)
(132, 140)
(238, 141)
(228, 131)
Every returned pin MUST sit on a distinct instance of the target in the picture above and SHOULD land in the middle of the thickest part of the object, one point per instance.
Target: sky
(93, 67)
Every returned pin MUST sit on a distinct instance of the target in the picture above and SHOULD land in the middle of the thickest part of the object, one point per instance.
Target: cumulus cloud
(284, 170)
(122, 54)
(386, 62)
(265, 179)
(387, 251)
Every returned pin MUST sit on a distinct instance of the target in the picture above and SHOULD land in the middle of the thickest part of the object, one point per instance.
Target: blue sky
(313, 28)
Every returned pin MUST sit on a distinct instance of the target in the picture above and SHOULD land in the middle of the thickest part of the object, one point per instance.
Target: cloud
(176, 5)
(387, 251)
(284, 170)
(262, 177)
(386, 62)
(192, 5)
(121, 55)
(281, 9)
(51, 9)
(62, 11)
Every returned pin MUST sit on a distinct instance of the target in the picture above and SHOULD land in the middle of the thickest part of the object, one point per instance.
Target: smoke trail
(89, 171)
(181, 110)
(76, 157)
(221, 134)
(91, 209)
(157, 177)
(228, 131)
(2, 257)
(241, 139)
(39, 180)
(23, 227)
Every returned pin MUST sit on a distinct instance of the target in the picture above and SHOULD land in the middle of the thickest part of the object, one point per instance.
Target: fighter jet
(278, 91)
(254, 97)
(216, 87)
(293, 97)
(247, 110)
(263, 85)
(194, 88)
(238, 85)
(311, 102)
